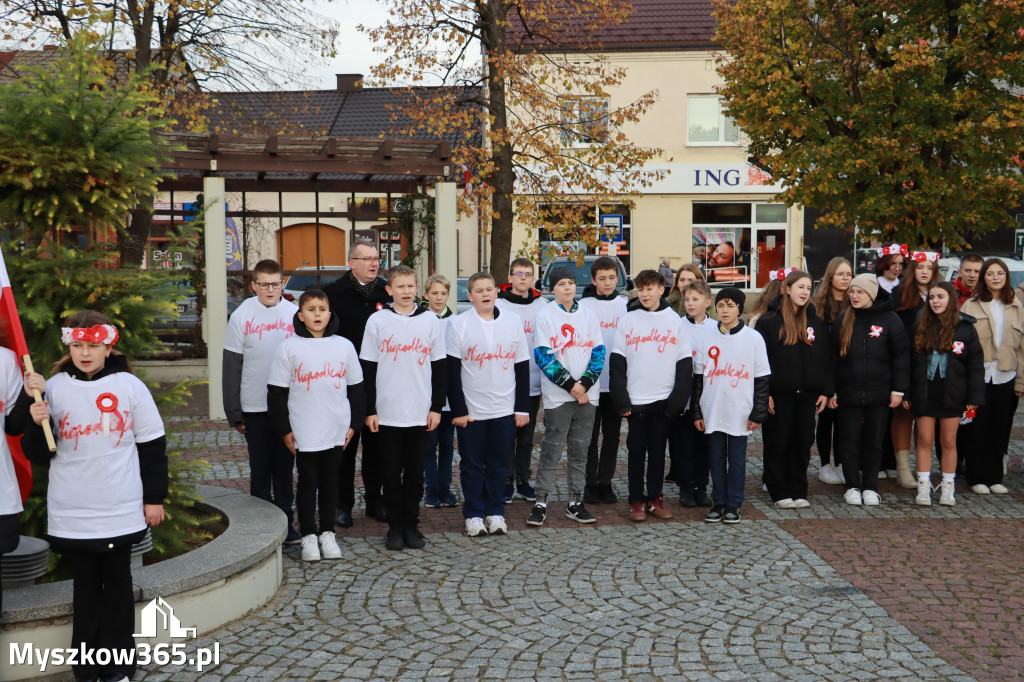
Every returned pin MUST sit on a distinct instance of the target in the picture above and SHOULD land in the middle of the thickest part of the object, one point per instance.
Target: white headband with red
(922, 256)
(893, 250)
(780, 274)
(100, 333)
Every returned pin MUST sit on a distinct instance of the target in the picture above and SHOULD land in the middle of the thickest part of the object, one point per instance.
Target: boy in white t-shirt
(730, 399)
(518, 296)
(692, 444)
(570, 354)
(489, 393)
(315, 395)
(651, 368)
(255, 330)
(403, 357)
(437, 468)
(602, 297)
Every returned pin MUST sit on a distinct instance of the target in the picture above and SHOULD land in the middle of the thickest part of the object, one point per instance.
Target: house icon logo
(158, 616)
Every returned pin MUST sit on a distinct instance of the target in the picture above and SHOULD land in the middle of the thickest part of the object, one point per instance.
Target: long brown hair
(794, 318)
(936, 332)
(83, 318)
(981, 291)
(768, 295)
(910, 295)
(824, 298)
(688, 267)
(846, 330)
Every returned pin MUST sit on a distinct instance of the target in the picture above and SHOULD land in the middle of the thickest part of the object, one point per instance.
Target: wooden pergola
(216, 164)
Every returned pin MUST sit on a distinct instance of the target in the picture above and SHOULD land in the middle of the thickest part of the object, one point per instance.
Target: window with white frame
(706, 124)
(584, 121)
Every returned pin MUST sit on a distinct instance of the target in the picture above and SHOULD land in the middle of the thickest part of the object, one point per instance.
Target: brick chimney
(350, 82)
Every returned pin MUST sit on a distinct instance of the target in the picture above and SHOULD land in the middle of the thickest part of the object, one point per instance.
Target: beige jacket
(1010, 353)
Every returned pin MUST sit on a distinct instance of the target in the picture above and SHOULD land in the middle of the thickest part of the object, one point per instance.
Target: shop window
(706, 124)
(584, 121)
(738, 244)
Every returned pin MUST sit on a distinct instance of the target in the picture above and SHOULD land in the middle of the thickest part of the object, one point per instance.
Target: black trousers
(787, 442)
(888, 462)
(823, 436)
(645, 444)
(860, 431)
(403, 451)
(688, 450)
(984, 455)
(318, 472)
(601, 460)
(10, 527)
(270, 463)
(104, 607)
(520, 455)
(373, 477)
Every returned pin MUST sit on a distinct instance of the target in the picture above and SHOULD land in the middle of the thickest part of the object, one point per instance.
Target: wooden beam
(195, 184)
(271, 146)
(330, 148)
(385, 151)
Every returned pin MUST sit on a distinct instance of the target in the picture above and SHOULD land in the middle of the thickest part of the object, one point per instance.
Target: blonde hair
(437, 279)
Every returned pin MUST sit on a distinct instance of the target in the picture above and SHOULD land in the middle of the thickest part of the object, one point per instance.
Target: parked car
(462, 303)
(949, 268)
(186, 317)
(582, 273)
(296, 284)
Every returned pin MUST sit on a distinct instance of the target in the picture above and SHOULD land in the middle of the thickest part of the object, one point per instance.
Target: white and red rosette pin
(100, 333)
(922, 256)
(780, 274)
(894, 249)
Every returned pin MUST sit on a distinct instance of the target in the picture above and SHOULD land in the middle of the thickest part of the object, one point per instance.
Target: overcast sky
(354, 49)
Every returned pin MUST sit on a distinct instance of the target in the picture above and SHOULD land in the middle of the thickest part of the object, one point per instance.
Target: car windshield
(580, 272)
(306, 282)
(462, 289)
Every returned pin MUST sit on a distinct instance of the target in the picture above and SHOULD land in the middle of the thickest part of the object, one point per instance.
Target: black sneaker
(731, 516)
(537, 515)
(715, 515)
(395, 539)
(293, 537)
(702, 498)
(686, 499)
(577, 512)
(591, 494)
(414, 538)
(606, 494)
(344, 518)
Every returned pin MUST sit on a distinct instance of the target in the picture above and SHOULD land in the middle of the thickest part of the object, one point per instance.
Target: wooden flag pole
(39, 398)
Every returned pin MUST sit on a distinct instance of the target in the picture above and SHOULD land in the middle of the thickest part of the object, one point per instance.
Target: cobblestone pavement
(828, 592)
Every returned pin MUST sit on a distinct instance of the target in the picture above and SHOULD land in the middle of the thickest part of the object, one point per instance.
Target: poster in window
(724, 254)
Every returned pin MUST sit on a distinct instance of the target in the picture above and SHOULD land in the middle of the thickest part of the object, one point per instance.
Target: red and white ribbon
(922, 256)
(876, 331)
(107, 403)
(100, 333)
(958, 347)
(810, 333)
(894, 249)
(780, 274)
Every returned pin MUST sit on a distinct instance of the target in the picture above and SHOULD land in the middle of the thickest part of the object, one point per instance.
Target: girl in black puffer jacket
(873, 375)
(947, 377)
(802, 380)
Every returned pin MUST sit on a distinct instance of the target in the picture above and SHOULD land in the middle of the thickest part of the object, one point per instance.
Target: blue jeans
(728, 462)
(437, 468)
(483, 465)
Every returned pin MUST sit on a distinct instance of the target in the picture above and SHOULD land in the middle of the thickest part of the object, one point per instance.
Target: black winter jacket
(352, 309)
(800, 367)
(878, 360)
(909, 316)
(965, 371)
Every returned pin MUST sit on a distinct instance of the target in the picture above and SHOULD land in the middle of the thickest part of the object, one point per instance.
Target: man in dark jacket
(354, 297)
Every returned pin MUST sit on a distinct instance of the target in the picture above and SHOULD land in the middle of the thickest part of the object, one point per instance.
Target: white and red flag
(12, 336)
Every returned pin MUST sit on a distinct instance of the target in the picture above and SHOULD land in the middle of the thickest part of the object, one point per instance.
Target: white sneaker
(947, 494)
(882, 474)
(475, 526)
(980, 488)
(871, 498)
(310, 548)
(830, 474)
(495, 525)
(924, 494)
(852, 496)
(786, 503)
(998, 489)
(1006, 464)
(329, 545)
(842, 476)
(891, 473)
(801, 503)
(764, 487)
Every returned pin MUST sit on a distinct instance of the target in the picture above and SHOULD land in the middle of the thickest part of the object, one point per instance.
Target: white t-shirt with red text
(527, 312)
(255, 331)
(403, 346)
(317, 374)
(608, 314)
(652, 343)
(489, 351)
(95, 488)
(11, 386)
(571, 337)
(729, 363)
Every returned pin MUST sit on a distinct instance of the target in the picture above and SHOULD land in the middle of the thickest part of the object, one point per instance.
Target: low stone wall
(238, 571)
